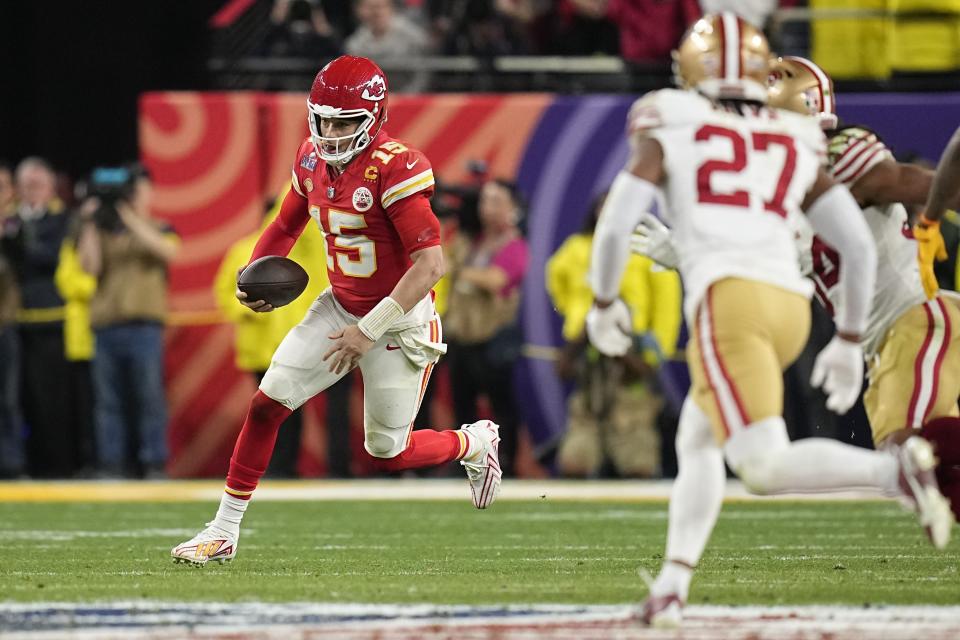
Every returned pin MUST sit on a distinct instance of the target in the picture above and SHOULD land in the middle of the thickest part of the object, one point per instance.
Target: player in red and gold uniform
(369, 195)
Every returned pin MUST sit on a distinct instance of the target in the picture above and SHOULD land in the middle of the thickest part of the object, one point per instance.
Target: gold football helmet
(797, 84)
(723, 56)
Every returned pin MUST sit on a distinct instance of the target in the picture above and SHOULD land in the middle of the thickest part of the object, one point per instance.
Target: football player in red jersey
(369, 195)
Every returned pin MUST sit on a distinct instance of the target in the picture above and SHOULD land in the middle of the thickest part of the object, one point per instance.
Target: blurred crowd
(82, 313)
(639, 31)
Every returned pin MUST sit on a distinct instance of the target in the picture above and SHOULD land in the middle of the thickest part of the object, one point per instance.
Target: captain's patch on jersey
(362, 199)
(309, 162)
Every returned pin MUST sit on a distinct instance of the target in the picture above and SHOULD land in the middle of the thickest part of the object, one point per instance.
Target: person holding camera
(128, 252)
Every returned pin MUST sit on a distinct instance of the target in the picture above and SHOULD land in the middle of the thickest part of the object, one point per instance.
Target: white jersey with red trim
(853, 153)
(736, 176)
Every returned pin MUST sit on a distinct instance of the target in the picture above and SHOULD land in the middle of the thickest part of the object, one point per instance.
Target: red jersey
(373, 216)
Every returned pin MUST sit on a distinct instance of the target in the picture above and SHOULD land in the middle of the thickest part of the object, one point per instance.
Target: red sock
(944, 434)
(427, 448)
(251, 455)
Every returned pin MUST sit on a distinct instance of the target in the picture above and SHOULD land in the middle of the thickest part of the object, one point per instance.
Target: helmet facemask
(344, 148)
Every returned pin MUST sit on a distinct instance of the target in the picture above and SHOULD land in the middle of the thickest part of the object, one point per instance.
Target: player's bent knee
(758, 474)
(263, 408)
(282, 389)
(382, 441)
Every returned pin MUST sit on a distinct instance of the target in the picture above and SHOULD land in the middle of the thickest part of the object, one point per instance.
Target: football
(274, 279)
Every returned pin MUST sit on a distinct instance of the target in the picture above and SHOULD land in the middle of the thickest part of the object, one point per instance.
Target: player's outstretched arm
(632, 194)
(945, 191)
(836, 217)
(891, 181)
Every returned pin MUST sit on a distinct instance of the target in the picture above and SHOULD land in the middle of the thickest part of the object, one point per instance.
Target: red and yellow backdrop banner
(216, 159)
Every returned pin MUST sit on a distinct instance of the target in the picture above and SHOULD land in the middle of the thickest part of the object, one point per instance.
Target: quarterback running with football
(369, 195)
(735, 173)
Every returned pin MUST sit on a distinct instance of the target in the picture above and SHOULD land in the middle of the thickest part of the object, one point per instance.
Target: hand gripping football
(274, 279)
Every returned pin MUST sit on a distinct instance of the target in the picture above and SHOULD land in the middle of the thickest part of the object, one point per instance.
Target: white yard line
(159, 620)
(352, 490)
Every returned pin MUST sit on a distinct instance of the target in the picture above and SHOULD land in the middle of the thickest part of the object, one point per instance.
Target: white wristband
(379, 319)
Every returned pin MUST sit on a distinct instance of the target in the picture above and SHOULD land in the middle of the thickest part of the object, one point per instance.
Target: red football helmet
(348, 87)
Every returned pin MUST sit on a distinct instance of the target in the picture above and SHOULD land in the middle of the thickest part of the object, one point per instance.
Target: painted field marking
(159, 620)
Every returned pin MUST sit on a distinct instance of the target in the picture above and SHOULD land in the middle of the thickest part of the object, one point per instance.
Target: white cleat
(662, 612)
(483, 465)
(211, 544)
(919, 484)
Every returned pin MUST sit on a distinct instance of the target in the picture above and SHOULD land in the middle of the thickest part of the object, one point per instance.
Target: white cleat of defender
(662, 612)
(483, 466)
(211, 544)
(918, 482)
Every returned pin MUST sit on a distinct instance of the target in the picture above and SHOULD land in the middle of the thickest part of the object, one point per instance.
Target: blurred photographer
(128, 252)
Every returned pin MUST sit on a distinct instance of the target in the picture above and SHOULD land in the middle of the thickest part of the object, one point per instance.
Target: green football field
(446, 552)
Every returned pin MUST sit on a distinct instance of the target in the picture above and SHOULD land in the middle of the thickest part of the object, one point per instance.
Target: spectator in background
(484, 338)
(31, 240)
(77, 287)
(384, 35)
(483, 28)
(581, 31)
(11, 427)
(128, 252)
(300, 29)
(649, 29)
(259, 334)
(613, 409)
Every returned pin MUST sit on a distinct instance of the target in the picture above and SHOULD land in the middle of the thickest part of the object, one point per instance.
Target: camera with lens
(110, 185)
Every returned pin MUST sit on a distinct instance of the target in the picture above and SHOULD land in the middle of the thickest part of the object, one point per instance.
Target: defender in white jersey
(735, 173)
(912, 340)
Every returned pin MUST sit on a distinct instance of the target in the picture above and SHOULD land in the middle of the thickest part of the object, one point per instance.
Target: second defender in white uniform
(735, 173)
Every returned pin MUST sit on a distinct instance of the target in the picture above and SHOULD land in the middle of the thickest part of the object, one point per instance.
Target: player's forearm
(419, 279)
(629, 197)
(836, 217)
(412, 287)
(282, 233)
(945, 191)
(274, 241)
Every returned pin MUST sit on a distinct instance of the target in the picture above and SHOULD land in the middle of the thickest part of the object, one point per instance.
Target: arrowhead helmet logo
(375, 89)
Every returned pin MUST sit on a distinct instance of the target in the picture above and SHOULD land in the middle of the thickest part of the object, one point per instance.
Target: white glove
(610, 329)
(653, 239)
(839, 368)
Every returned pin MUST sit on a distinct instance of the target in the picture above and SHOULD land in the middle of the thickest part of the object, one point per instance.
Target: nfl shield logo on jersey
(362, 199)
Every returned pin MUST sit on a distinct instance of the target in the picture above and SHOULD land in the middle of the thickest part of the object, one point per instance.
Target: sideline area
(382, 489)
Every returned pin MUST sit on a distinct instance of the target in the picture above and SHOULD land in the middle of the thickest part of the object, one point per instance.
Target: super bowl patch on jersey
(362, 199)
(309, 162)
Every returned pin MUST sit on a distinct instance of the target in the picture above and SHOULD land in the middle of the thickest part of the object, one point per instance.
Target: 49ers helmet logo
(375, 89)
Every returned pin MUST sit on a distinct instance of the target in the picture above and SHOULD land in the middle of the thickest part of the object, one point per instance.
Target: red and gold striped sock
(251, 455)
